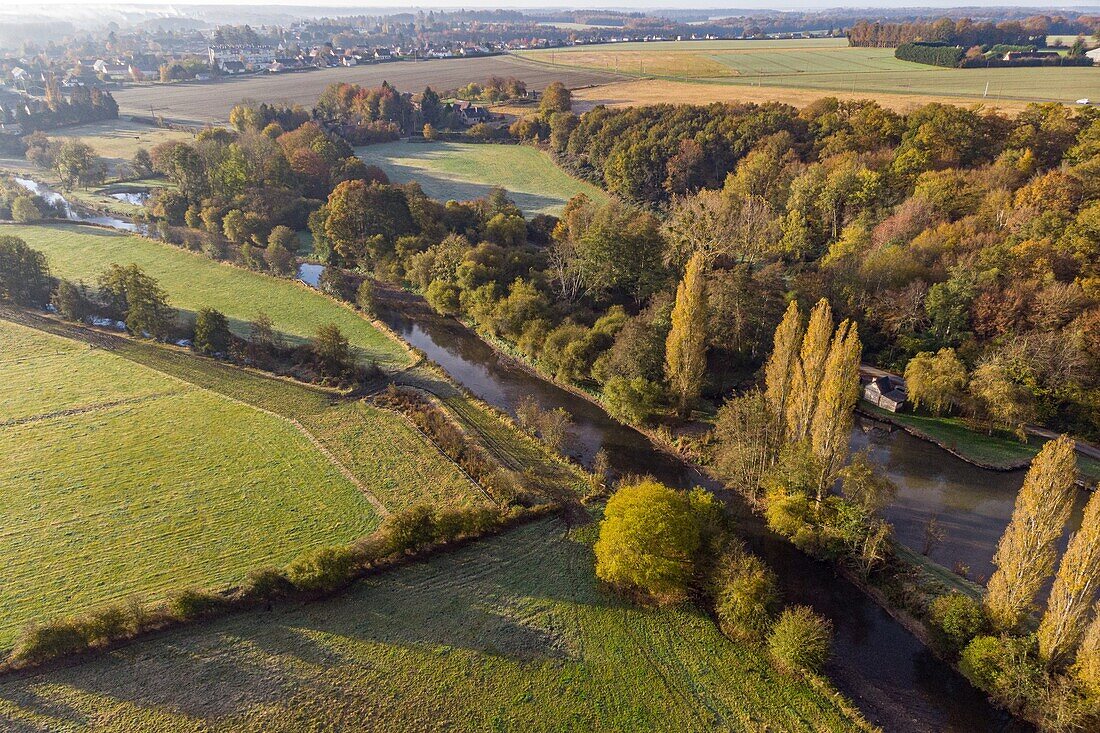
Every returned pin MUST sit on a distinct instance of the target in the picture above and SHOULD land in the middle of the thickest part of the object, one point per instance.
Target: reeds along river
(883, 668)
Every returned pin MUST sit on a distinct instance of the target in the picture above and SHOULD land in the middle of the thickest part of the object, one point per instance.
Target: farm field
(824, 66)
(137, 469)
(210, 102)
(509, 633)
(464, 171)
(192, 281)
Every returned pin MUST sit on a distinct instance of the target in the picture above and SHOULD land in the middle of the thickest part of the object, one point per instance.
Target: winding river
(884, 669)
(891, 676)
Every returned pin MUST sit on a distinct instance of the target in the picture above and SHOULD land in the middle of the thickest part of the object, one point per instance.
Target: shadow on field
(511, 596)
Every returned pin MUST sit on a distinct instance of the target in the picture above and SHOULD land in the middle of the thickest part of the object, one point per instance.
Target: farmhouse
(886, 392)
(471, 113)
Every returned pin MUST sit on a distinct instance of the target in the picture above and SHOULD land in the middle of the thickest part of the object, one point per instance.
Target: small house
(471, 113)
(886, 392)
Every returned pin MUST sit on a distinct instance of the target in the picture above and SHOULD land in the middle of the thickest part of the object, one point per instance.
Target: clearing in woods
(510, 633)
(465, 171)
(192, 281)
(135, 469)
(825, 66)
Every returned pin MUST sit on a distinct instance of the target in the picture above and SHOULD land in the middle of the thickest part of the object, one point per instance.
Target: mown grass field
(464, 171)
(826, 66)
(192, 281)
(135, 469)
(511, 633)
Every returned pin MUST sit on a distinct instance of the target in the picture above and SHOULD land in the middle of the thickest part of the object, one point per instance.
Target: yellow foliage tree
(1074, 588)
(1087, 666)
(831, 427)
(779, 371)
(1026, 553)
(807, 374)
(686, 347)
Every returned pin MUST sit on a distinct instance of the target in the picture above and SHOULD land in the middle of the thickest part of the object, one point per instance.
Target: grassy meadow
(509, 633)
(192, 281)
(464, 171)
(824, 66)
(135, 469)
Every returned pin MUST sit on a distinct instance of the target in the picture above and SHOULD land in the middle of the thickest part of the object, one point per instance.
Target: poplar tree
(1074, 588)
(686, 347)
(1026, 553)
(831, 427)
(779, 371)
(1087, 665)
(807, 374)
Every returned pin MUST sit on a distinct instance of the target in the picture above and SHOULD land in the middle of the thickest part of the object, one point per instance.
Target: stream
(73, 213)
(885, 670)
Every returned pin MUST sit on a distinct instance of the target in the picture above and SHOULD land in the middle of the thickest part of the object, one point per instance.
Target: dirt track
(204, 102)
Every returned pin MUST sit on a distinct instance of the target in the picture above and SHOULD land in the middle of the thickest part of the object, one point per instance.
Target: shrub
(411, 529)
(266, 583)
(323, 569)
(106, 624)
(631, 400)
(800, 640)
(24, 210)
(648, 540)
(1006, 667)
(443, 297)
(745, 595)
(958, 619)
(211, 331)
(190, 604)
(40, 642)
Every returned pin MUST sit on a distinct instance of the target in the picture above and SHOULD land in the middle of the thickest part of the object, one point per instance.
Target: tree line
(964, 32)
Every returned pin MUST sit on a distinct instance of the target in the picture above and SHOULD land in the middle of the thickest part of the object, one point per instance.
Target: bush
(106, 624)
(648, 541)
(800, 640)
(211, 332)
(958, 619)
(411, 529)
(631, 400)
(443, 297)
(71, 301)
(266, 583)
(41, 642)
(1006, 667)
(745, 596)
(324, 569)
(190, 604)
(24, 210)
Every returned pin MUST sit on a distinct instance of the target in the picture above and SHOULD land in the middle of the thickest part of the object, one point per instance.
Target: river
(74, 213)
(884, 669)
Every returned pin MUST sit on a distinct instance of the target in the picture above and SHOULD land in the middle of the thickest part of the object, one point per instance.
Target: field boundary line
(68, 412)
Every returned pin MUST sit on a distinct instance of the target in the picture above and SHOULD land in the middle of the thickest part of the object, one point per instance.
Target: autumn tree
(1075, 585)
(808, 371)
(139, 298)
(1086, 666)
(685, 349)
(332, 350)
(555, 98)
(781, 365)
(1026, 553)
(936, 381)
(999, 399)
(831, 426)
(648, 539)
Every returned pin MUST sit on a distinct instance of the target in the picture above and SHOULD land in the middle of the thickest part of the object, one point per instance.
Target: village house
(886, 392)
(470, 113)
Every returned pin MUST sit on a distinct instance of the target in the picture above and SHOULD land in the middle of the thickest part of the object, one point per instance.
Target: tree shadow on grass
(510, 597)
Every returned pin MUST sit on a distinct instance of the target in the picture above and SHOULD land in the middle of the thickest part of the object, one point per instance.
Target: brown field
(661, 91)
(203, 102)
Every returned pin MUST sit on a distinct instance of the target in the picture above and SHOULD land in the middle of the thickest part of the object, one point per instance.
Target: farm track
(84, 409)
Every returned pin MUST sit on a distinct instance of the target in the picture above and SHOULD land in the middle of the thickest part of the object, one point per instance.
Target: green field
(192, 281)
(511, 633)
(132, 468)
(828, 65)
(465, 171)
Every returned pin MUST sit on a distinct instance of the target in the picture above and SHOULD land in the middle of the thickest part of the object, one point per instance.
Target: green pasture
(465, 171)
